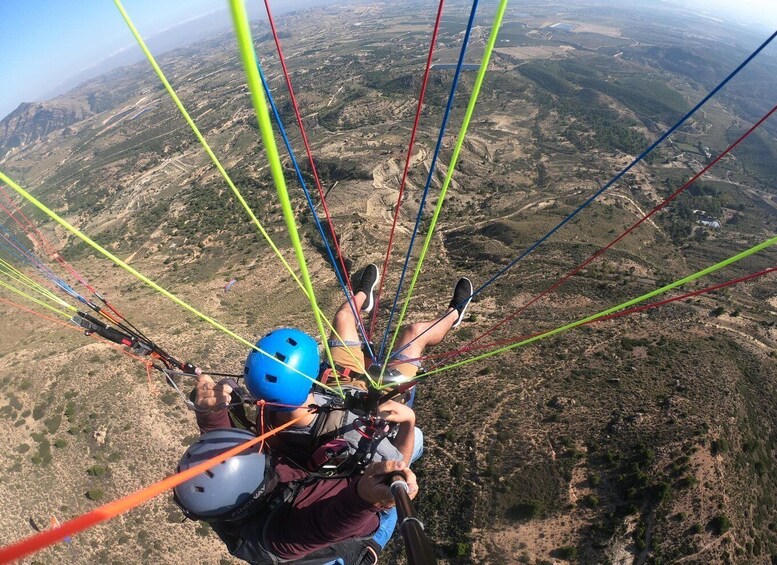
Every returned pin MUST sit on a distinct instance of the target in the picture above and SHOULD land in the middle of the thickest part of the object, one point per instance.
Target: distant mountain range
(181, 35)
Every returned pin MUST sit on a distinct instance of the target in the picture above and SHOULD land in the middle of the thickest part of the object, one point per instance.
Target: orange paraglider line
(38, 541)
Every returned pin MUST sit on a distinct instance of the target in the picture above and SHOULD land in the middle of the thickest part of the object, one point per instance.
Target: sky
(44, 44)
(757, 12)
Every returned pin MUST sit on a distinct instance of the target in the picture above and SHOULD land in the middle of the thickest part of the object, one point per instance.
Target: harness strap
(346, 373)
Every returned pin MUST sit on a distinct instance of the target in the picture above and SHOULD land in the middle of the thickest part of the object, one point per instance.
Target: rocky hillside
(31, 122)
(644, 439)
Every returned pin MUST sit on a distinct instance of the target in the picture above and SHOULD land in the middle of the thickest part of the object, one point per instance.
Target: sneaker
(462, 296)
(367, 283)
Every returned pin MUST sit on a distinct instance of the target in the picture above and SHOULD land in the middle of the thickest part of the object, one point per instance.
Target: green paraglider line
(603, 313)
(248, 56)
(451, 166)
(199, 135)
(83, 237)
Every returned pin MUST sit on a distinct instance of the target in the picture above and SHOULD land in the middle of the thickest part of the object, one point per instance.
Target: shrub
(52, 424)
(525, 511)
(44, 452)
(567, 552)
(720, 524)
(23, 448)
(661, 490)
(591, 500)
(96, 471)
(38, 411)
(462, 549)
(60, 443)
(719, 445)
(95, 494)
(170, 398)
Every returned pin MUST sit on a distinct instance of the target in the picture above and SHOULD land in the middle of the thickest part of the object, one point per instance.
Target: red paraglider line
(424, 82)
(313, 169)
(51, 252)
(446, 356)
(74, 328)
(577, 269)
(35, 233)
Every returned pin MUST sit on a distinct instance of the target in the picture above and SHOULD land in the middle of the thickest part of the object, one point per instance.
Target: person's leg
(388, 521)
(416, 337)
(346, 349)
(344, 322)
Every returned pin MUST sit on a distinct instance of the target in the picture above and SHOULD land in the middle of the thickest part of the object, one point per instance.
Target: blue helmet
(285, 372)
(231, 490)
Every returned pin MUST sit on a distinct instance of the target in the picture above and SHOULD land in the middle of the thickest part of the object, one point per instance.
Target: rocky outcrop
(33, 121)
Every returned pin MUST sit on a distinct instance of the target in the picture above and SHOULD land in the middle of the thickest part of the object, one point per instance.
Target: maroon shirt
(323, 513)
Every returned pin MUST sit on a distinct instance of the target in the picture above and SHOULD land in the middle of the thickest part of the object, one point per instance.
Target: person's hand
(393, 411)
(211, 396)
(373, 485)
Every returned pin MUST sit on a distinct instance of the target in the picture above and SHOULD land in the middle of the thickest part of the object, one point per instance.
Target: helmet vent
(271, 378)
(245, 370)
(280, 357)
(209, 473)
(291, 341)
(199, 489)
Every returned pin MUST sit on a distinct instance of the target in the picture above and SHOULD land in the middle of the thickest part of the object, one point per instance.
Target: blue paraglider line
(430, 176)
(17, 248)
(610, 183)
(627, 168)
(312, 207)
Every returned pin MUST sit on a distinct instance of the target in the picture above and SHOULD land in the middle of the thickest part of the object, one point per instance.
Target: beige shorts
(347, 355)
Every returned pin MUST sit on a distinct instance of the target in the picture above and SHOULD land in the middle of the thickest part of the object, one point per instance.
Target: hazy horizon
(50, 48)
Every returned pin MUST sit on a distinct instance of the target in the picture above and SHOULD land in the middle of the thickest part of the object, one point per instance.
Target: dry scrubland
(648, 439)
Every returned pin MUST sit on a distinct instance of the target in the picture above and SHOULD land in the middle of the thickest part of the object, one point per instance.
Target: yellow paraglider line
(451, 168)
(15, 274)
(550, 333)
(35, 300)
(248, 56)
(236, 192)
(65, 224)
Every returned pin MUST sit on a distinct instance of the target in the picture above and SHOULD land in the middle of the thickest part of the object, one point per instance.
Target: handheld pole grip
(417, 547)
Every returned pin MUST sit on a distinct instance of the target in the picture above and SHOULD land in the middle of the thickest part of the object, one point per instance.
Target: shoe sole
(457, 323)
(370, 302)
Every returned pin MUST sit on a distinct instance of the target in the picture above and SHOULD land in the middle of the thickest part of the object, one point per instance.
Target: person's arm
(403, 415)
(210, 401)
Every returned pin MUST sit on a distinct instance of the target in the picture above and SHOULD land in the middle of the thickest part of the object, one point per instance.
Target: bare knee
(412, 332)
(344, 318)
